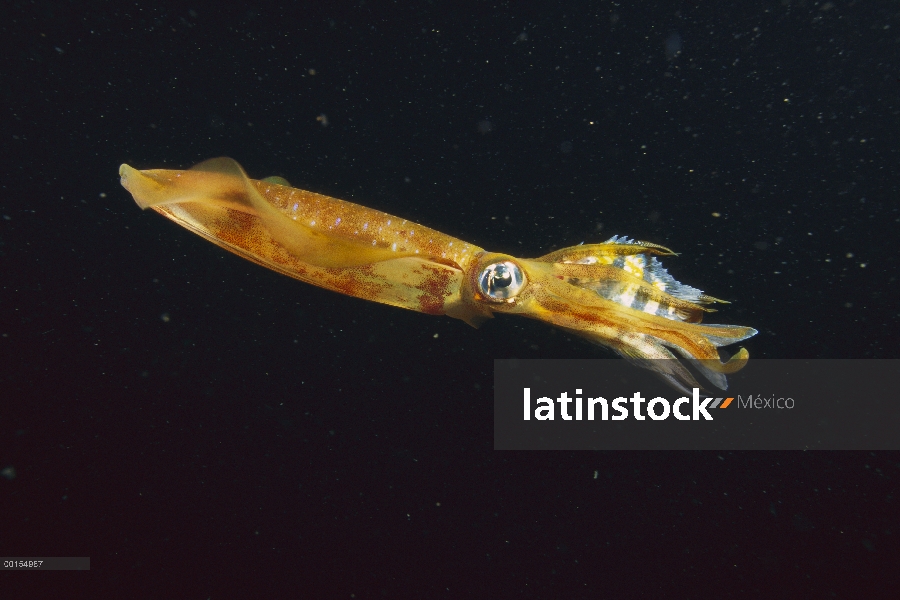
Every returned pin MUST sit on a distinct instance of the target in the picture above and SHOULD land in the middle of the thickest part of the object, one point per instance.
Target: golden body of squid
(615, 294)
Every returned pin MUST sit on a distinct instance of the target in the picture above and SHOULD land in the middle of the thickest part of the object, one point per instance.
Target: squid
(616, 294)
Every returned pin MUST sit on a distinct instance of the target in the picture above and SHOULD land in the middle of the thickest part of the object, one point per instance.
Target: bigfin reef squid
(616, 294)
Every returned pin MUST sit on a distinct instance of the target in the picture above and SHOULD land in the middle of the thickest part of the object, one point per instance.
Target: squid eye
(501, 280)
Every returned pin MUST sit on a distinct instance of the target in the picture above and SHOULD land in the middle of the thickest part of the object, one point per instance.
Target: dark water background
(203, 428)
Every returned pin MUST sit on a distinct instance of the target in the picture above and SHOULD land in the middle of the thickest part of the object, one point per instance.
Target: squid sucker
(616, 294)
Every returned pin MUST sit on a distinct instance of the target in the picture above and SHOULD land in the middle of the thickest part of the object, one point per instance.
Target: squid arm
(616, 294)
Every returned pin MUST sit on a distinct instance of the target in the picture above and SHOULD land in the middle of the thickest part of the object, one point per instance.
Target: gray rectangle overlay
(774, 405)
(44, 563)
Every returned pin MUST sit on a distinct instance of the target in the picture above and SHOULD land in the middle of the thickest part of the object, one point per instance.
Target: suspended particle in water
(673, 45)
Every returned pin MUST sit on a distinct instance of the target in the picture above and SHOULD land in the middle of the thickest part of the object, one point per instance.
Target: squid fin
(275, 179)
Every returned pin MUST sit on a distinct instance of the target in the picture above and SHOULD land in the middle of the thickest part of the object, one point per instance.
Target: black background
(203, 428)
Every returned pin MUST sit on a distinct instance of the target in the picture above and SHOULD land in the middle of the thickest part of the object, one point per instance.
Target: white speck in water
(373, 242)
(389, 222)
(365, 226)
(338, 220)
(312, 222)
(394, 247)
(296, 205)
